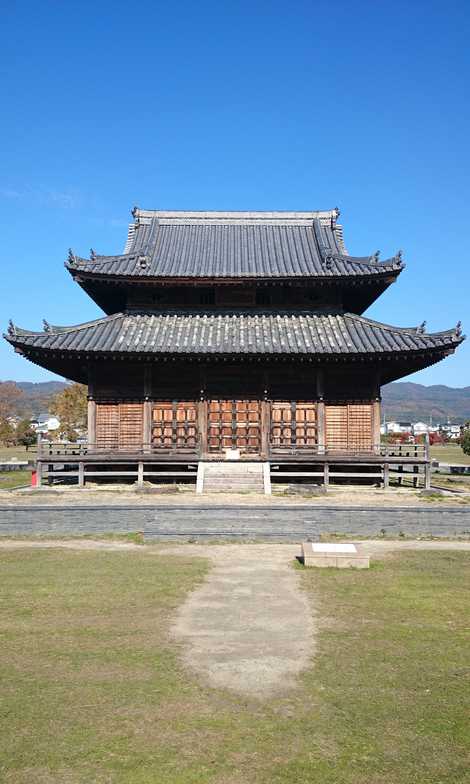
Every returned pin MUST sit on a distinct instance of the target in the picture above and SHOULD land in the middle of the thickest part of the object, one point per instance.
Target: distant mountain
(401, 400)
(406, 401)
(36, 398)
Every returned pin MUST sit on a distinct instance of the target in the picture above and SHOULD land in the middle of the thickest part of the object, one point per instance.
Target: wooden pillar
(326, 475)
(147, 426)
(265, 428)
(376, 424)
(202, 426)
(91, 422)
(321, 424)
(147, 413)
(140, 474)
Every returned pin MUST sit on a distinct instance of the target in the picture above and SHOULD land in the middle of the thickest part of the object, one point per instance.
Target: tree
(25, 435)
(7, 432)
(70, 408)
(10, 394)
(465, 440)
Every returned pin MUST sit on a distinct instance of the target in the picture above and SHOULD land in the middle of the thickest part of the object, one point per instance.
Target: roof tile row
(236, 333)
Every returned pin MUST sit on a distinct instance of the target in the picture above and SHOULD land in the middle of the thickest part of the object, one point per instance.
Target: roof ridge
(234, 214)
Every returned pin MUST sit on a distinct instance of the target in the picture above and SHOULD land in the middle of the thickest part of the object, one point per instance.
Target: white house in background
(451, 431)
(393, 428)
(420, 428)
(45, 423)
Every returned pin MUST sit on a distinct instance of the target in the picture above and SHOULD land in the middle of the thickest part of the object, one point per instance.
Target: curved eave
(368, 274)
(236, 333)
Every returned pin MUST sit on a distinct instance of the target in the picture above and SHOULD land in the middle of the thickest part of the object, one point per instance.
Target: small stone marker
(342, 556)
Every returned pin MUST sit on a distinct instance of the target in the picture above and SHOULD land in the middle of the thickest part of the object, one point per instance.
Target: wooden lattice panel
(293, 424)
(234, 424)
(174, 425)
(349, 426)
(107, 425)
(130, 425)
(360, 426)
(119, 425)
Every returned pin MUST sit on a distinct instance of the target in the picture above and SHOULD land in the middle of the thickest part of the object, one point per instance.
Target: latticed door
(234, 424)
(119, 426)
(130, 425)
(174, 426)
(349, 426)
(293, 425)
(107, 425)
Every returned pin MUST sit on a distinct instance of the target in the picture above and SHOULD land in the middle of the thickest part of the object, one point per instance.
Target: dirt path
(249, 627)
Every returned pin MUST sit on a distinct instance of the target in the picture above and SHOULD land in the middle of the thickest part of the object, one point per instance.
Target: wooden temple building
(233, 336)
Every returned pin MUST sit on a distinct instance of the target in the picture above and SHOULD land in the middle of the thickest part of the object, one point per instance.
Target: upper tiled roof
(237, 333)
(234, 245)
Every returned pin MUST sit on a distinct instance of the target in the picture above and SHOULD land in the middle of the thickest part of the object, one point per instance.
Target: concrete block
(340, 556)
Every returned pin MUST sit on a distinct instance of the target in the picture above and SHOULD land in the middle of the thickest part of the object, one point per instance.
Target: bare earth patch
(123, 494)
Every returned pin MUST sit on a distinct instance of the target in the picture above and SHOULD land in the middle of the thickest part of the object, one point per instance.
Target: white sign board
(333, 548)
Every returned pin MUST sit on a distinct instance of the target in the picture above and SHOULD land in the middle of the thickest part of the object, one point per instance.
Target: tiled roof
(237, 333)
(234, 245)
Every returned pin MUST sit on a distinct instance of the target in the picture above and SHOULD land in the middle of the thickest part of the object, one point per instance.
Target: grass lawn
(10, 452)
(93, 692)
(10, 479)
(450, 453)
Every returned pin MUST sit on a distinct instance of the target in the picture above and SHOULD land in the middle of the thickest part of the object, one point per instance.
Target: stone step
(233, 477)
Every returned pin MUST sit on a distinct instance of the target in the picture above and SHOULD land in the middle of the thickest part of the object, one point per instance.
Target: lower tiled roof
(234, 333)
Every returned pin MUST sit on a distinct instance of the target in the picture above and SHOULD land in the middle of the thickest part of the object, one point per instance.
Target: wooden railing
(392, 452)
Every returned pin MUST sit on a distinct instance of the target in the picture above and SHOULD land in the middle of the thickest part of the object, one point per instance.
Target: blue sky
(247, 105)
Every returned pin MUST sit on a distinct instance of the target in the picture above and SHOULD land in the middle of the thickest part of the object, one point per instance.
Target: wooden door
(119, 426)
(174, 426)
(305, 425)
(349, 427)
(293, 425)
(360, 427)
(131, 423)
(107, 425)
(234, 424)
